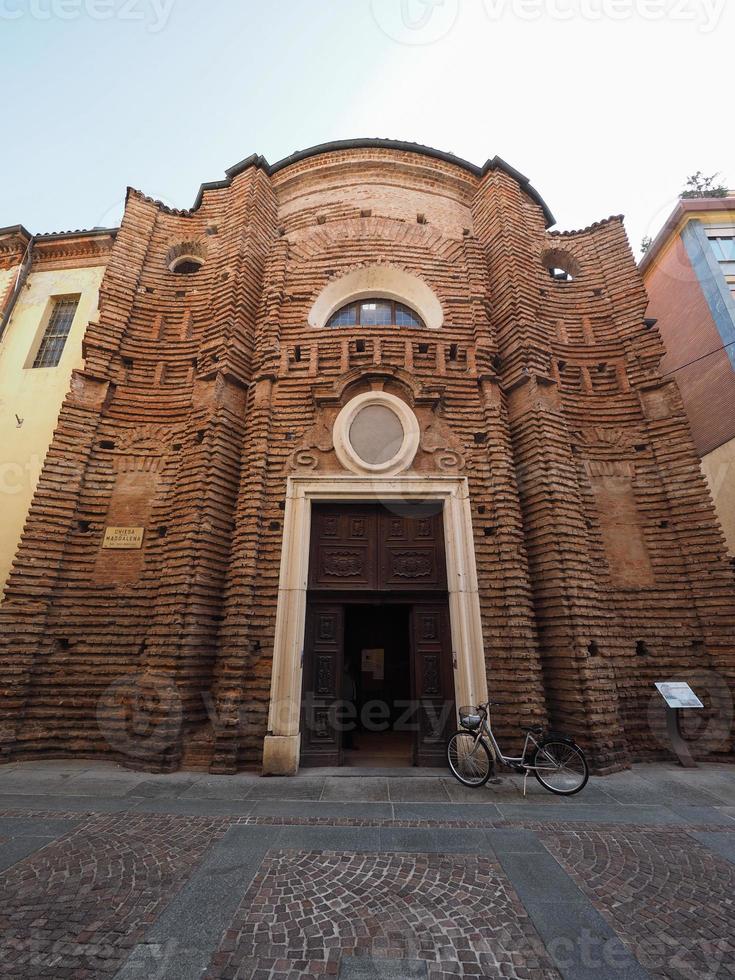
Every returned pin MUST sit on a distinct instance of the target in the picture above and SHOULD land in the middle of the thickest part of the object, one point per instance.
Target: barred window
(56, 333)
(375, 313)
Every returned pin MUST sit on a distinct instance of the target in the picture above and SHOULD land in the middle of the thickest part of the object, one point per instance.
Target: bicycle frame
(511, 761)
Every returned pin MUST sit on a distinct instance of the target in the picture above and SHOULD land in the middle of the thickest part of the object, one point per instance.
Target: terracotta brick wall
(202, 394)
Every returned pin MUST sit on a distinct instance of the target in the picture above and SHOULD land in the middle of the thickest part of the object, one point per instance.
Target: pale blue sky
(605, 116)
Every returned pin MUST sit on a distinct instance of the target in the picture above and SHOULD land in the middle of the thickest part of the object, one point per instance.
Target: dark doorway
(378, 672)
(377, 582)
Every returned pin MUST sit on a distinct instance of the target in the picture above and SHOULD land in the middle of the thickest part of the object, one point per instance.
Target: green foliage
(646, 244)
(699, 185)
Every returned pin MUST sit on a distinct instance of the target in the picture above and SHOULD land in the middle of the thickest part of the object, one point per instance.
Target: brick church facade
(361, 394)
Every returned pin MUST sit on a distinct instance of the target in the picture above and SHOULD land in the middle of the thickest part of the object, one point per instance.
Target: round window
(376, 433)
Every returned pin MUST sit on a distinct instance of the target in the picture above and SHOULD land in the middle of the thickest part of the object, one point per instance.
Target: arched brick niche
(385, 281)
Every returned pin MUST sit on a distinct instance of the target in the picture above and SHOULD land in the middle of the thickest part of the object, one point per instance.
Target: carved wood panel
(377, 548)
(343, 547)
(323, 655)
(433, 681)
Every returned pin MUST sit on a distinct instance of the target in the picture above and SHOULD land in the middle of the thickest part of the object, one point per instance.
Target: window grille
(56, 332)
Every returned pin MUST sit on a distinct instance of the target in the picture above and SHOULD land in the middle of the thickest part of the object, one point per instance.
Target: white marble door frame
(283, 742)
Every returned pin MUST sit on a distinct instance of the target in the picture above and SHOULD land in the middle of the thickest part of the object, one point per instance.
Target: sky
(607, 105)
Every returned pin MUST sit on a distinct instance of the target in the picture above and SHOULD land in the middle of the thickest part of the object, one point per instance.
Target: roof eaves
(685, 206)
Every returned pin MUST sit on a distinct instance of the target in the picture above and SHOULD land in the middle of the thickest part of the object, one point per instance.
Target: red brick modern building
(360, 419)
(689, 274)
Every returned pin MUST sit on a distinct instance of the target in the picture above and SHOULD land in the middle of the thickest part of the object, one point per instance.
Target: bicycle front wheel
(470, 761)
(561, 767)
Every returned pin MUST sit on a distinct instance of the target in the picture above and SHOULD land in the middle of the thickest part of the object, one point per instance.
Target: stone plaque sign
(677, 694)
(124, 538)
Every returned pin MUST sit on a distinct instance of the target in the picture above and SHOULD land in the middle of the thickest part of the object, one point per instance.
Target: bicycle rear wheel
(562, 767)
(471, 763)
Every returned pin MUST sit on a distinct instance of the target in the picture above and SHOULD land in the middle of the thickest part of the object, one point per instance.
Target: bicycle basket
(470, 718)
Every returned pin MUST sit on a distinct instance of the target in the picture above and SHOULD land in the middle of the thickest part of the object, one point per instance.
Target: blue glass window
(724, 248)
(376, 312)
(346, 317)
(406, 317)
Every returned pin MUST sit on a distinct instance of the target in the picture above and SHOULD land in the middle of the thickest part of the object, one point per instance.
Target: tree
(646, 244)
(698, 185)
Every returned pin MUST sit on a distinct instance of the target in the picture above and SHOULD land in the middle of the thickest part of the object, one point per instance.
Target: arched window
(186, 265)
(375, 312)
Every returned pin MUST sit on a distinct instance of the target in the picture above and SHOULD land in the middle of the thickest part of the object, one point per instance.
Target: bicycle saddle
(535, 729)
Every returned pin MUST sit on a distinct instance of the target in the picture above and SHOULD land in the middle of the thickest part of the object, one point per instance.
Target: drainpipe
(25, 268)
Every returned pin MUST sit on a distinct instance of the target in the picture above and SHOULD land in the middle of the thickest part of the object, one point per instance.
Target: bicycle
(556, 760)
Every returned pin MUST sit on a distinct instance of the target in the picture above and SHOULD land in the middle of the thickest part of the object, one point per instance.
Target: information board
(677, 694)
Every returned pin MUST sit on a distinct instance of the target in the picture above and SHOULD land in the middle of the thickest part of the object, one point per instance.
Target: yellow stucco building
(49, 292)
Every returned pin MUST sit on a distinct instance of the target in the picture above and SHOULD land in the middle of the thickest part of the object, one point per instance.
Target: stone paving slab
(98, 786)
(505, 790)
(158, 789)
(218, 788)
(419, 791)
(25, 782)
(439, 841)
(61, 804)
(646, 785)
(373, 790)
(567, 811)
(369, 968)
(702, 814)
(717, 782)
(288, 788)
(444, 811)
(721, 843)
(193, 808)
(514, 841)
(45, 827)
(309, 808)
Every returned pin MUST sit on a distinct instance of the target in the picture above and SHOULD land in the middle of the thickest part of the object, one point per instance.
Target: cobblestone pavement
(307, 910)
(666, 895)
(541, 891)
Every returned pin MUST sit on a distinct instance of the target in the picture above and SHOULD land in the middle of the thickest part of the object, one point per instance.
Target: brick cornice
(78, 248)
(13, 244)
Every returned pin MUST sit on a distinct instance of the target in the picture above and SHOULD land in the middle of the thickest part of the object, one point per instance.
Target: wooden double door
(377, 644)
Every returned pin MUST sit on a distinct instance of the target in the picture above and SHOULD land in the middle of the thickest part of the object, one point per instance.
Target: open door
(433, 681)
(321, 743)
